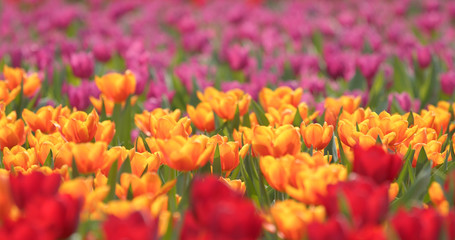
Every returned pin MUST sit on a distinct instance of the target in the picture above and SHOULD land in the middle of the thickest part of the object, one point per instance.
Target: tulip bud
(82, 64)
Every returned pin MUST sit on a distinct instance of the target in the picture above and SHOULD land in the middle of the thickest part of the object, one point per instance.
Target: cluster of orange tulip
(282, 149)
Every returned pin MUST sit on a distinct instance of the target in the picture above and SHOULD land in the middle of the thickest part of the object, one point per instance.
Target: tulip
(377, 164)
(202, 116)
(302, 178)
(79, 127)
(91, 157)
(79, 97)
(423, 57)
(368, 203)
(333, 107)
(417, 224)
(237, 57)
(42, 119)
(6, 200)
(292, 218)
(149, 184)
(105, 131)
(438, 198)
(185, 154)
(235, 184)
(282, 95)
(108, 104)
(225, 104)
(116, 228)
(275, 142)
(219, 212)
(82, 64)
(448, 82)
(147, 121)
(7, 95)
(117, 86)
(316, 135)
(229, 152)
(26, 188)
(140, 161)
(15, 76)
(12, 134)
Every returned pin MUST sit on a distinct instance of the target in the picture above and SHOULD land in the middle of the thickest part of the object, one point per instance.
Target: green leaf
(410, 119)
(112, 181)
(417, 190)
(124, 168)
(74, 171)
(194, 100)
(358, 81)
(130, 195)
(260, 114)
(142, 136)
(217, 162)
(317, 40)
(146, 169)
(246, 120)
(49, 160)
(422, 159)
(297, 118)
(236, 120)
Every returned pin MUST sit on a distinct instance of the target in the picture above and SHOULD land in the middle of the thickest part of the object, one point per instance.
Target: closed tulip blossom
(82, 64)
(202, 116)
(218, 212)
(276, 142)
(186, 154)
(374, 162)
(117, 86)
(448, 82)
(117, 228)
(79, 127)
(316, 136)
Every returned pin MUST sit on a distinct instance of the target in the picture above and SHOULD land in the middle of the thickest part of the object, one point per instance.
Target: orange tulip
(116, 86)
(186, 154)
(225, 103)
(19, 157)
(276, 142)
(163, 123)
(91, 157)
(149, 184)
(14, 77)
(229, 152)
(6, 200)
(7, 95)
(316, 135)
(151, 142)
(79, 127)
(105, 131)
(292, 218)
(280, 96)
(235, 184)
(108, 104)
(202, 116)
(307, 184)
(243, 136)
(438, 198)
(333, 107)
(11, 134)
(140, 161)
(277, 171)
(43, 118)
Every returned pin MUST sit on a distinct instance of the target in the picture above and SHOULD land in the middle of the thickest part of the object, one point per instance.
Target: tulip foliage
(247, 119)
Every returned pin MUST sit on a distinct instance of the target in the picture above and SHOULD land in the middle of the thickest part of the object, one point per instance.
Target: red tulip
(56, 216)
(377, 164)
(367, 203)
(417, 224)
(136, 226)
(217, 212)
(333, 229)
(25, 188)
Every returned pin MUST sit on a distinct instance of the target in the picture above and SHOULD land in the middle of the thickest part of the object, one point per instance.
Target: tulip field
(227, 119)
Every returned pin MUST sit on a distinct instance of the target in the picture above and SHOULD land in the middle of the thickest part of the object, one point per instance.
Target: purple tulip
(404, 101)
(82, 64)
(423, 57)
(237, 57)
(79, 96)
(102, 51)
(448, 82)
